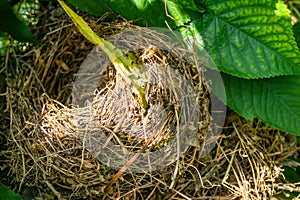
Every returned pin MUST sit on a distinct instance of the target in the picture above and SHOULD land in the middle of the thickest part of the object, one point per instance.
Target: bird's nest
(51, 149)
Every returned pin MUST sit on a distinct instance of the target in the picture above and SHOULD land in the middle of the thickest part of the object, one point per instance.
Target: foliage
(126, 65)
(296, 29)
(14, 26)
(294, 6)
(150, 11)
(291, 174)
(7, 194)
(251, 42)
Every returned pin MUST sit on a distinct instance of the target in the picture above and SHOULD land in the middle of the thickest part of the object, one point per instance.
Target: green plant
(127, 65)
(251, 42)
(291, 167)
(294, 6)
(10, 24)
(7, 194)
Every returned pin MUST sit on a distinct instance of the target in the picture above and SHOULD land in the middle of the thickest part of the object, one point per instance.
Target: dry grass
(44, 151)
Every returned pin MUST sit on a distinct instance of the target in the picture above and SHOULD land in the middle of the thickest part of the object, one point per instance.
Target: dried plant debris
(44, 151)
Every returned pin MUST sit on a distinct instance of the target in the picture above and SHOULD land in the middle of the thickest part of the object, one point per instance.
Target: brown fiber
(45, 153)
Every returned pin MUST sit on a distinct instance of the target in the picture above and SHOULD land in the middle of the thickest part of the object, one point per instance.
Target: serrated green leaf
(275, 101)
(282, 10)
(10, 24)
(247, 39)
(182, 12)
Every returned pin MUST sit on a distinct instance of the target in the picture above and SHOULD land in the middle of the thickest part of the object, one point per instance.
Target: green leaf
(7, 194)
(10, 24)
(94, 7)
(183, 12)
(296, 30)
(291, 174)
(275, 101)
(125, 65)
(247, 39)
(186, 5)
(282, 10)
(150, 12)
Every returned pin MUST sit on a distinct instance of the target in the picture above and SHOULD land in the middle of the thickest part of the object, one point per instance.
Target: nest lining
(44, 153)
(126, 118)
